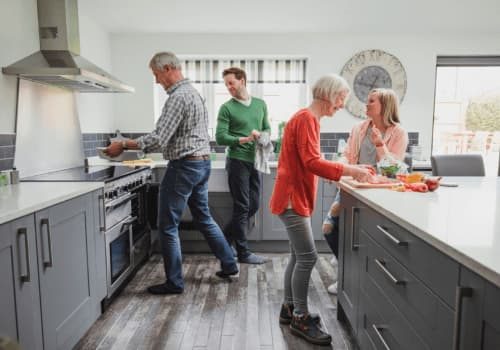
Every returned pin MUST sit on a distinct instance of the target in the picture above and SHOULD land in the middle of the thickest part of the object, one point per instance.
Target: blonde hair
(329, 86)
(162, 59)
(390, 105)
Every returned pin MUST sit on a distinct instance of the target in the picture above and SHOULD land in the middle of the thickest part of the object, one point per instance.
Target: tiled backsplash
(93, 140)
(329, 142)
(7, 150)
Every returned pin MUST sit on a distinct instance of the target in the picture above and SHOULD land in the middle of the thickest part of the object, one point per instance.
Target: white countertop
(158, 162)
(28, 197)
(463, 222)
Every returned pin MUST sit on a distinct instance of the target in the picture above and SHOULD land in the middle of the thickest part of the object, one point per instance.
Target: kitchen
(125, 51)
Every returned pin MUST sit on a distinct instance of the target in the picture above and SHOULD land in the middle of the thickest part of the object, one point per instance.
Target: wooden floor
(213, 313)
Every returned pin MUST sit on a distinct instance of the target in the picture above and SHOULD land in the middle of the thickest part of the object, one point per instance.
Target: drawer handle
(461, 293)
(377, 330)
(354, 246)
(25, 277)
(381, 265)
(45, 222)
(391, 237)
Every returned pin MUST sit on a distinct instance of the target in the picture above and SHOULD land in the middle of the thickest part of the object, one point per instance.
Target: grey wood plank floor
(213, 313)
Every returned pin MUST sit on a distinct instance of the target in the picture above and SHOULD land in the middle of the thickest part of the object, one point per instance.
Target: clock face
(369, 70)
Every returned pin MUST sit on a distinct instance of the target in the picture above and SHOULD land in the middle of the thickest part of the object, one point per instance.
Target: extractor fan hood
(59, 62)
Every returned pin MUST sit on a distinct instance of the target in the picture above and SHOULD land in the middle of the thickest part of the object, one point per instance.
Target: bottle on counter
(14, 176)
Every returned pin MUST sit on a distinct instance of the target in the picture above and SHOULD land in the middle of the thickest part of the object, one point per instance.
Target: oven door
(119, 254)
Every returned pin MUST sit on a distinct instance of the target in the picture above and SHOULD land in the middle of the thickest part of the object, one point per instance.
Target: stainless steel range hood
(59, 62)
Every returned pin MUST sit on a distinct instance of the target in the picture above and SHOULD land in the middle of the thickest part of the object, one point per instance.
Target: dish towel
(263, 149)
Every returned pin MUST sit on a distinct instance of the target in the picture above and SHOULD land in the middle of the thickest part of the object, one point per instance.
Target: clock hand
(373, 84)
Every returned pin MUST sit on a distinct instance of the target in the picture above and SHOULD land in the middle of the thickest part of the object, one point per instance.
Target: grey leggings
(303, 256)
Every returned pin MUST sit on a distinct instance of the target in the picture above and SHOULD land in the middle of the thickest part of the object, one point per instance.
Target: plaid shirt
(182, 128)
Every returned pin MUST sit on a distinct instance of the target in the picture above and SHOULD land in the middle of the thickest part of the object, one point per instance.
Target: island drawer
(381, 322)
(427, 314)
(439, 272)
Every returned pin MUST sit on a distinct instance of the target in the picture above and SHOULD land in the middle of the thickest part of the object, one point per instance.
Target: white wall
(18, 38)
(327, 52)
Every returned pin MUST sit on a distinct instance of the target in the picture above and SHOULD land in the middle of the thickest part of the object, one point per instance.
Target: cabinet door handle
(377, 330)
(354, 246)
(24, 277)
(102, 223)
(45, 222)
(381, 265)
(391, 237)
(461, 293)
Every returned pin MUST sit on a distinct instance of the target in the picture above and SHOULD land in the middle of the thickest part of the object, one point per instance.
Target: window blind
(258, 71)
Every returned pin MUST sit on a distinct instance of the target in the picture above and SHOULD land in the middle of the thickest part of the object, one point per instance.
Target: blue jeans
(186, 183)
(244, 184)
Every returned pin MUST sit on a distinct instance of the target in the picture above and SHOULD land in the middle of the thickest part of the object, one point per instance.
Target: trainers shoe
(287, 312)
(164, 289)
(334, 261)
(305, 327)
(224, 274)
(253, 259)
(332, 289)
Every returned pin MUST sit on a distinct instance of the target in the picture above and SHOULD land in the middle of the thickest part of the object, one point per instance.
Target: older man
(182, 134)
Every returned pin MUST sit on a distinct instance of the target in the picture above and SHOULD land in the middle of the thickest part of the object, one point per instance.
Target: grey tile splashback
(93, 140)
(7, 151)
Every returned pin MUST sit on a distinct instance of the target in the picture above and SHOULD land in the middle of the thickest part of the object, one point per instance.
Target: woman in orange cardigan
(294, 195)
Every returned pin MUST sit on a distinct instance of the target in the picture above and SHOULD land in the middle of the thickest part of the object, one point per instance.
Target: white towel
(263, 149)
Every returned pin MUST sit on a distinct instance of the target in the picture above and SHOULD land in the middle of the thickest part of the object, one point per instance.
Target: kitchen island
(422, 270)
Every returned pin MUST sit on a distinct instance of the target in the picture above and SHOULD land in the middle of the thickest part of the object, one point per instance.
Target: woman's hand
(359, 173)
(376, 137)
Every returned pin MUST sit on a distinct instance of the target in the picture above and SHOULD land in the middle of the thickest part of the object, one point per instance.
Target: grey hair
(162, 59)
(329, 86)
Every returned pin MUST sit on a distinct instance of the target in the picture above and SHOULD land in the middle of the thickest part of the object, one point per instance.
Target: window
(280, 82)
(467, 108)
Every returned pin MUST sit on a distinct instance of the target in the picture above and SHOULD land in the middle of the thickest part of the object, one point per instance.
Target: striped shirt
(182, 128)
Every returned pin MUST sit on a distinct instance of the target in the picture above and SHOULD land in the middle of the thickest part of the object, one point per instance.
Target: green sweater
(236, 120)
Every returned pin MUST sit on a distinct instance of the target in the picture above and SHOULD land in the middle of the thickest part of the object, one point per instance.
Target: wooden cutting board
(353, 183)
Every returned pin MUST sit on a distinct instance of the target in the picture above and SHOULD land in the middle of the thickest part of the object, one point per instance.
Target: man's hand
(255, 134)
(115, 149)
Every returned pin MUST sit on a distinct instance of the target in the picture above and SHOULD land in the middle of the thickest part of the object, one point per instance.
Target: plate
(128, 154)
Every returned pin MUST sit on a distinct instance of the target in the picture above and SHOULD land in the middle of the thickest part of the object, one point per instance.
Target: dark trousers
(332, 238)
(244, 184)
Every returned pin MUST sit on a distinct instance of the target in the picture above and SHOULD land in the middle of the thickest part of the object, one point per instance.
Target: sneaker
(287, 312)
(224, 274)
(332, 289)
(305, 327)
(334, 261)
(253, 259)
(164, 289)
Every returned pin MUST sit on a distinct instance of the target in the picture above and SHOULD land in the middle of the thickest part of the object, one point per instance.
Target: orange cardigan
(299, 163)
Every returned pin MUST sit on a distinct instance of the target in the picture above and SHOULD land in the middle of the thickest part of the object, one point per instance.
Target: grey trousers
(303, 257)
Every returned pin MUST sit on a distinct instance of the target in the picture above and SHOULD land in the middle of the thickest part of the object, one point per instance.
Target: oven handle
(102, 215)
(120, 200)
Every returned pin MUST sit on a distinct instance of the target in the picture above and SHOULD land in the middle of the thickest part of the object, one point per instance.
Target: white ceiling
(284, 16)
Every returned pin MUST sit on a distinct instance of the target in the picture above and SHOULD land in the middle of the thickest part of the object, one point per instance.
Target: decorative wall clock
(372, 69)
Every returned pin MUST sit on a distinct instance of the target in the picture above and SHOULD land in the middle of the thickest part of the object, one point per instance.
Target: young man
(182, 134)
(239, 124)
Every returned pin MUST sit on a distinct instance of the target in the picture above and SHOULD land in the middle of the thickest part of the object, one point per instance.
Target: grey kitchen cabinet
(272, 227)
(66, 269)
(20, 318)
(477, 322)
(349, 260)
(48, 267)
(396, 290)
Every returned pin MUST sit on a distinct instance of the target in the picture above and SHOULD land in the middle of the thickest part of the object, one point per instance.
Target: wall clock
(372, 69)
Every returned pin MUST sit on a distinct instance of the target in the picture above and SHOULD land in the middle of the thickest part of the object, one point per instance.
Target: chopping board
(353, 183)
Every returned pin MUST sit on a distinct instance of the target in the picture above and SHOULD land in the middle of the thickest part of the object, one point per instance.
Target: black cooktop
(83, 174)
